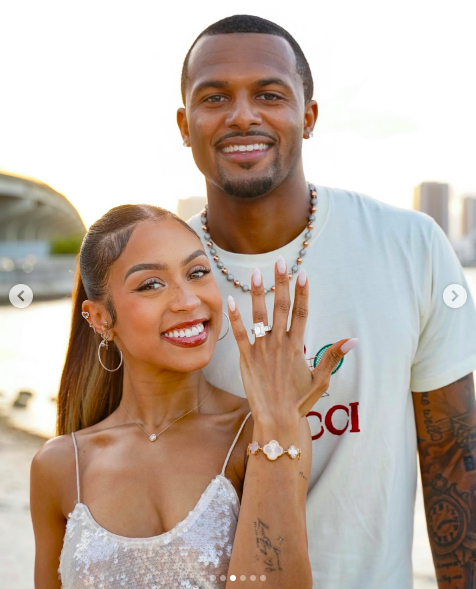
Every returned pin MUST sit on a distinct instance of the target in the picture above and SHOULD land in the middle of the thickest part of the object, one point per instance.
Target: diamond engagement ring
(260, 329)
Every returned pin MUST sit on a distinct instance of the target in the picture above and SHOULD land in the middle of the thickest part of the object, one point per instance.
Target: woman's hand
(277, 380)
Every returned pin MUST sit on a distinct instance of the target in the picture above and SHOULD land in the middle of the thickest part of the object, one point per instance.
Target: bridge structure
(32, 214)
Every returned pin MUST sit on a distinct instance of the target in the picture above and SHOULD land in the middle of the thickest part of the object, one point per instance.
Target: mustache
(249, 134)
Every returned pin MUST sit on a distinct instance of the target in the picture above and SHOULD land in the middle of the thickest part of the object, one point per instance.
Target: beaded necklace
(294, 268)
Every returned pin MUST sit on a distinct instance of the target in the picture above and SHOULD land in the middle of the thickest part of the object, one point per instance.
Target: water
(33, 344)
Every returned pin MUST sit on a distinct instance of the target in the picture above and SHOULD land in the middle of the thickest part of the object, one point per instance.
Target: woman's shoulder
(50, 463)
(230, 403)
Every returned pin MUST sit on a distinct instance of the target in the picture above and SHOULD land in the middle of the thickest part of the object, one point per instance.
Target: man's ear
(183, 125)
(310, 117)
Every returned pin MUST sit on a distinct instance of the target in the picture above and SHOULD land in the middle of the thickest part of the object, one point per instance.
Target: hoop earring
(228, 328)
(103, 343)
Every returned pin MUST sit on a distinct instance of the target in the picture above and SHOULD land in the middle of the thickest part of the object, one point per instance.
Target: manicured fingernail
(302, 277)
(281, 264)
(231, 303)
(349, 345)
(256, 277)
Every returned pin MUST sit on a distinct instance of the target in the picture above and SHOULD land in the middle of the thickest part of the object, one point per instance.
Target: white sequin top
(195, 554)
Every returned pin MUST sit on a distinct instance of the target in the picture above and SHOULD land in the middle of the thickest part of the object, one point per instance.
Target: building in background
(187, 207)
(432, 198)
(40, 234)
(469, 214)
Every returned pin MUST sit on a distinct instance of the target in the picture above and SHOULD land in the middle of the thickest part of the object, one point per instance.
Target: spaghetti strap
(233, 445)
(77, 465)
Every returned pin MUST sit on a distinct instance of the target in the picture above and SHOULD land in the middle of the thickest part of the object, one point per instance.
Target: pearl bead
(299, 260)
(310, 226)
(312, 217)
(213, 251)
(314, 201)
(204, 219)
(313, 209)
(307, 235)
(224, 271)
(207, 235)
(266, 291)
(204, 227)
(272, 289)
(216, 258)
(210, 244)
(220, 265)
(237, 283)
(302, 252)
(305, 243)
(313, 193)
(295, 268)
(245, 288)
(230, 277)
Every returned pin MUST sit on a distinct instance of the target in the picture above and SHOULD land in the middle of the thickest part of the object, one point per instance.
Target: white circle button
(20, 296)
(455, 296)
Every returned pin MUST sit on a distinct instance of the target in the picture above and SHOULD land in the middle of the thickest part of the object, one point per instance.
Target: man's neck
(260, 225)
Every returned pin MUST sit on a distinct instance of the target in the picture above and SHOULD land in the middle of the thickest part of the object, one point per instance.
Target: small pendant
(152, 437)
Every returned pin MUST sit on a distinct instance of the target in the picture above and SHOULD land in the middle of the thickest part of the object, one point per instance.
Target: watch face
(447, 524)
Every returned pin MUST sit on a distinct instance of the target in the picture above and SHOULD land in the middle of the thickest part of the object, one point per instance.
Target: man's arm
(446, 430)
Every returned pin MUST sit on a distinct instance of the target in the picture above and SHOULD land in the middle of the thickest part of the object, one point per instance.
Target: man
(376, 272)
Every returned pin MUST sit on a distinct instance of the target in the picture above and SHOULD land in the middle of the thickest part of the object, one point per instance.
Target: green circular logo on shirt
(319, 355)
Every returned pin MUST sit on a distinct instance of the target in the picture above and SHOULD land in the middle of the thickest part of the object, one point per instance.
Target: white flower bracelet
(272, 450)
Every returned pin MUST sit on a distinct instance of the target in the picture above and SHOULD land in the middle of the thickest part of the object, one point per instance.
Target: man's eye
(268, 96)
(216, 98)
(151, 282)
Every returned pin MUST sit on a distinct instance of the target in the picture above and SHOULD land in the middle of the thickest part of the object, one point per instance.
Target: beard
(252, 187)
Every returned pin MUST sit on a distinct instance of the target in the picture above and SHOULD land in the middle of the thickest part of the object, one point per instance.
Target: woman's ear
(97, 315)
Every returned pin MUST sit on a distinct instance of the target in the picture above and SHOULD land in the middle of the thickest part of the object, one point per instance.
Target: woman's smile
(187, 334)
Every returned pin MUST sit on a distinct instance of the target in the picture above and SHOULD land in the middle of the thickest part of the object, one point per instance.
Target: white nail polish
(349, 345)
(281, 265)
(302, 277)
(256, 277)
(231, 303)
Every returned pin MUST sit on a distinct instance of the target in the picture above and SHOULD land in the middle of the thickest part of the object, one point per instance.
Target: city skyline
(96, 120)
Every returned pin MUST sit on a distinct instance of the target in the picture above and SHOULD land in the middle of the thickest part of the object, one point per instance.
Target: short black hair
(245, 23)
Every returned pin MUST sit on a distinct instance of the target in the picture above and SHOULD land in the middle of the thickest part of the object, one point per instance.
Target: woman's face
(168, 306)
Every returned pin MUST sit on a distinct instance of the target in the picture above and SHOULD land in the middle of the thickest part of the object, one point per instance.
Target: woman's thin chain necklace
(153, 437)
(294, 268)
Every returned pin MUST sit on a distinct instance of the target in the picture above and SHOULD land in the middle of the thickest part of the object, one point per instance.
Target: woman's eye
(216, 98)
(153, 283)
(199, 273)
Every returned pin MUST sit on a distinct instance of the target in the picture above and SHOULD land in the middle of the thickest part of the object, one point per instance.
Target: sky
(89, 93)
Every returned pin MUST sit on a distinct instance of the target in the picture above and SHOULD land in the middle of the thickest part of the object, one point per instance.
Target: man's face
(245, 112)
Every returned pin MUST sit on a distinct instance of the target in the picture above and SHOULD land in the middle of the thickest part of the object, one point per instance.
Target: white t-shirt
(376, 272)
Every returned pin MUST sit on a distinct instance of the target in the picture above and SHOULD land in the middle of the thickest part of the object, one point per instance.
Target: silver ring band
(260, 329)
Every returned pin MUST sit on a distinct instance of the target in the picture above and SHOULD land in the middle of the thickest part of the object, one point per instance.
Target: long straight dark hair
(88, 393)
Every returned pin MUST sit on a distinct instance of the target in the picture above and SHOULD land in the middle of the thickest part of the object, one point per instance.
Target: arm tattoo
(269, 552)
(446, 428)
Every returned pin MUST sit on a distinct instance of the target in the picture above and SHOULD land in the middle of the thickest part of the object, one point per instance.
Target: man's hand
(446, 429)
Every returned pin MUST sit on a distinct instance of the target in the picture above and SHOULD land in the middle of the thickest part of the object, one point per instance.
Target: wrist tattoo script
(270, 552)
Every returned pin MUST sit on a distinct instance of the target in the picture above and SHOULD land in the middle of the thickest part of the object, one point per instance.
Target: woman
(118, 507)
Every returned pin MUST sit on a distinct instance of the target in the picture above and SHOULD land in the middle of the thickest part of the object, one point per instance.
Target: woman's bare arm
(271, 537)
(49, 522)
